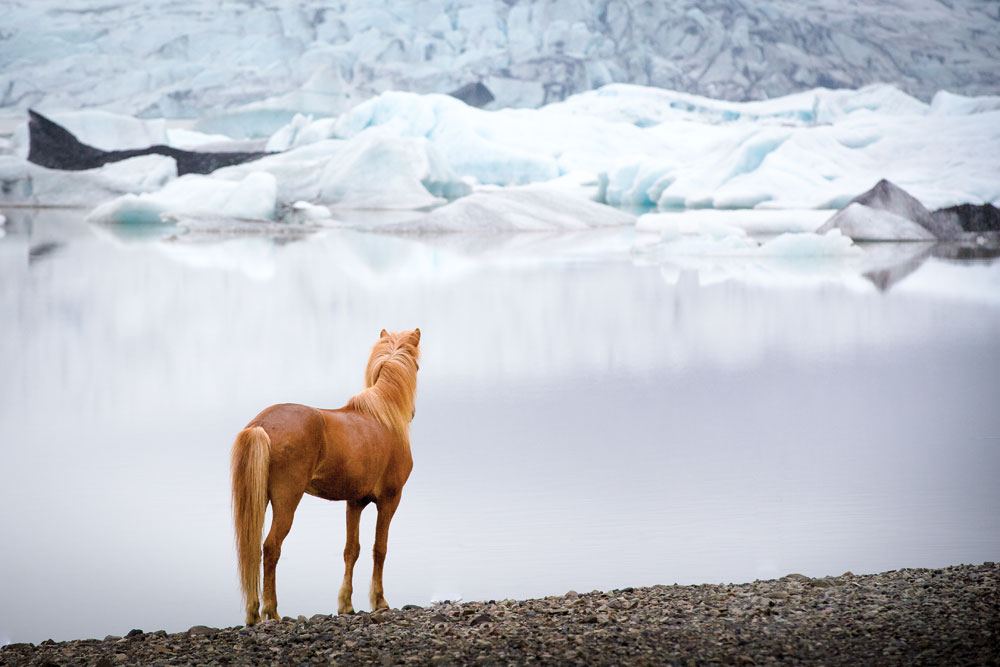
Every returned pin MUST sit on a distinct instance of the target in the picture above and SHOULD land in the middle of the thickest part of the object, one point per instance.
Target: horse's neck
(372, 403)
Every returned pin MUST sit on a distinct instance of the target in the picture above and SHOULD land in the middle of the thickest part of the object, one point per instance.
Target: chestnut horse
(359, 453)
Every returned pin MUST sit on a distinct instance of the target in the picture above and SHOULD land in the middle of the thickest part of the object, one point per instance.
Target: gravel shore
(948, 616)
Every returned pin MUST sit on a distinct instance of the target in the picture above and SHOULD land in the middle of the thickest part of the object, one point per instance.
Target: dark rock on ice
(474, 94)
(889, 213)
(887, 196)
(971, 217)
(53, 146)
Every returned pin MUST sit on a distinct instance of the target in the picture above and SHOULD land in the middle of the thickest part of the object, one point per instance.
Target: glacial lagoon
(589, 416)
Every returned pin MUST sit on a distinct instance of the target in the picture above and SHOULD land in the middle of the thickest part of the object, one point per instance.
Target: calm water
(586, 418)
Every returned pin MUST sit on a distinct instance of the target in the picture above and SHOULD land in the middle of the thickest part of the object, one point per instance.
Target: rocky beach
(948, 616)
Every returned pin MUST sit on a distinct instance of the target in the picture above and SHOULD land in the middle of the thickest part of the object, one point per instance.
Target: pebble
(945, 616)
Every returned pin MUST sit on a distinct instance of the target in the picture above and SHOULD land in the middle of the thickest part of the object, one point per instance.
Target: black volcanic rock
(53, 146)
(474, 94)
(971, 217)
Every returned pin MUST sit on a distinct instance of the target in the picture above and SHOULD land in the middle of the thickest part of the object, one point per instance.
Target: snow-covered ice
(518, 209)
(623, 145)
(805, 151)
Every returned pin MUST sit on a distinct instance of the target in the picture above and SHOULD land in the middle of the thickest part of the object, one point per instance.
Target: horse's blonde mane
(391, 381)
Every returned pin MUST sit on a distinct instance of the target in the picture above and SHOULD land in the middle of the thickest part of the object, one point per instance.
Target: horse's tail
(250, 460)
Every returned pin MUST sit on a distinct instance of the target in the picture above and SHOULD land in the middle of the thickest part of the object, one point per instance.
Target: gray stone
(482, 618)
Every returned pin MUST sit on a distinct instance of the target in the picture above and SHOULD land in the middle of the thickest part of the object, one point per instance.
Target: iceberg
(374, 171)
(889, 213)
(671, 151)
(516, 209)
(370, 171)
(864, 223)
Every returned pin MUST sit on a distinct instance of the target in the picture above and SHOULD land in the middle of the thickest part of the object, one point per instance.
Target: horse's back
(296, 433)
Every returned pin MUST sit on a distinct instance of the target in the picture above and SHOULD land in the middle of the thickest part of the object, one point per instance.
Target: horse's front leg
(386, 508)
(351, 552)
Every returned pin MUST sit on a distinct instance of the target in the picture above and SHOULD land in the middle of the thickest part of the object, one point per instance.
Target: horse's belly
(325, 491)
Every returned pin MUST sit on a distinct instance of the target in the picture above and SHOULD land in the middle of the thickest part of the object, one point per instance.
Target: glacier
(631, 147)
(265, 60)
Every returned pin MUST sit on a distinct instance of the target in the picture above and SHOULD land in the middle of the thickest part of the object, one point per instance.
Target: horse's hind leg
(386, 508)
(282, 511)
(352, 549)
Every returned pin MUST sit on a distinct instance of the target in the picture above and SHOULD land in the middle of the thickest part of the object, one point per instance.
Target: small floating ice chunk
(311, 211)
(753, 221)
(717, 243)
(253, 197)
(306, 213)
(809, 245)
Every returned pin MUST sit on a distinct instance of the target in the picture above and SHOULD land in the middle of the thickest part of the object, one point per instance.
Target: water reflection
(584, 420)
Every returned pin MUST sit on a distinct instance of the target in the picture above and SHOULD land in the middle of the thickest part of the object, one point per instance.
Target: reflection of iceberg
(122, 308)
(885, 264)
(253, 258)
(719, 246)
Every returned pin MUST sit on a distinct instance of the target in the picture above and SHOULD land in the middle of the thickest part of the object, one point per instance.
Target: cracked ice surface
(268, 59)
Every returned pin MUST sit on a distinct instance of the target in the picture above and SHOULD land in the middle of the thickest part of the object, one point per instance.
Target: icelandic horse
(359, 453)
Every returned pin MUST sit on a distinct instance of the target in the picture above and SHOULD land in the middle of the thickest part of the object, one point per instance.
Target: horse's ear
(383, 334)
(416, 336)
